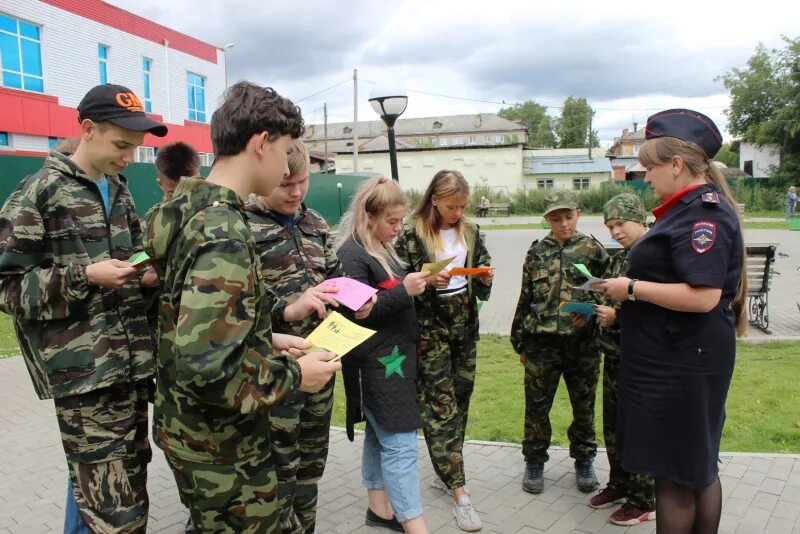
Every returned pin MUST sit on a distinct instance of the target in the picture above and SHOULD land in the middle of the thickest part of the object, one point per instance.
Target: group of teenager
(211, 327)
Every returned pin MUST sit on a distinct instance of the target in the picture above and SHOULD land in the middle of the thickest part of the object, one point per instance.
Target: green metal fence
(323, 194)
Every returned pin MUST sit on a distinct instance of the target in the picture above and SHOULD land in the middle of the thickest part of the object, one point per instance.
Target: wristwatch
(631, 296)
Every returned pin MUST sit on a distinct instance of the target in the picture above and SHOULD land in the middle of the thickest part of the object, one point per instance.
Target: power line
(324, 90)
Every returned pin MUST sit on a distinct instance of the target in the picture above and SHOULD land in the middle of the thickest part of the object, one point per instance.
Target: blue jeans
(389, 462)
(73, 524)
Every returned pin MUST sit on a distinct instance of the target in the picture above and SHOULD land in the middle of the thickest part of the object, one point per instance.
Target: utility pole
(590, 132)
(325, 130)
(355, 121)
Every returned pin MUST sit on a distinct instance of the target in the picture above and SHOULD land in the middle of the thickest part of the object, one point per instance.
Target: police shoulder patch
(704, 233)
(710, 197)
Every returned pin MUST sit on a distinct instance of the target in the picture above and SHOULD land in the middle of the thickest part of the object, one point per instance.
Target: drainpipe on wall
(166, 70)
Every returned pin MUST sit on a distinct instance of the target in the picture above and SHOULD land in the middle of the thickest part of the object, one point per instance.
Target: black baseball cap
(686, 125)
(118, 105)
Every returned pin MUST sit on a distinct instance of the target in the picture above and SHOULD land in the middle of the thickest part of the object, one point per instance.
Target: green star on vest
(394, 362)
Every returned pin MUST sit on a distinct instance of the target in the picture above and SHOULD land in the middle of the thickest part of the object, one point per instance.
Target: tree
(727, 156)
(573, 127)
(535, 118)
(765, 104)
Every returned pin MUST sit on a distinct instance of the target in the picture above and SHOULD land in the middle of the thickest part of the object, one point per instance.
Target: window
(145, 154)
(581, 183)
(472, 139)
(20, 55)
(442, 141)
(347, 130)
(146, 63)
(546, 183)
(4, 139)
(486, 139)
(499, 139)
(437, 125)
(206, 159)
(458, 141)
(196, 96)
(102, 58)
(52, 142)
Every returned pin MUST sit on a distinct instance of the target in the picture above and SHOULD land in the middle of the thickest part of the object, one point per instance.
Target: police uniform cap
(686, 125)
(563, 199)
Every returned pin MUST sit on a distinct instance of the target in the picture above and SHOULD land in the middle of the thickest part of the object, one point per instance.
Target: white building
(758, 160)
(53, 51)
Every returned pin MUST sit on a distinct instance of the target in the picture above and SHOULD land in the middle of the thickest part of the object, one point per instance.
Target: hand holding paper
(435, 268)
(140, 260)
(338, 335)
(592, 279)
(582, 308)
(350, 292)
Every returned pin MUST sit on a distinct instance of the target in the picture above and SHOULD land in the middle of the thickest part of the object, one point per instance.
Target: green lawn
(763, 404)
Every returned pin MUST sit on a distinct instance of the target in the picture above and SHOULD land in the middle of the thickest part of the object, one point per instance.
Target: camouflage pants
(446, 380)
(229, 498)
(299, 432)
(638, 489)
(104, 434)
(547, 359)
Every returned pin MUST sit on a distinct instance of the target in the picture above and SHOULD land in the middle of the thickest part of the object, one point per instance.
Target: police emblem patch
(704, 233)
(710, 197)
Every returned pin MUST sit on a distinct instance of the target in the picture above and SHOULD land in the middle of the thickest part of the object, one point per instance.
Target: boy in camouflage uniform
(297, 254)
(624, 217)
(173, 162)
(552, 343)
(216, 376)
(78, 307)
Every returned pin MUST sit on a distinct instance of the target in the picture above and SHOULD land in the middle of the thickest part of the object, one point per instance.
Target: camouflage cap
(625, 206)
(563, 199)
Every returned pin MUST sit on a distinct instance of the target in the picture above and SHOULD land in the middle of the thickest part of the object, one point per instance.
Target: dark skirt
(672, 401)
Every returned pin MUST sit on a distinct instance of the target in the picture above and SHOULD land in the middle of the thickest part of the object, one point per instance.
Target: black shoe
(584, 476)
(533, 479)
(374, 520)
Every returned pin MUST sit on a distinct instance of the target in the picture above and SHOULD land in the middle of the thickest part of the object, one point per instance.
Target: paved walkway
(761, 492)
(508, 249)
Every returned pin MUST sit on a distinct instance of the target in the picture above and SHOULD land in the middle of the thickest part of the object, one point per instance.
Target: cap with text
(118, 105)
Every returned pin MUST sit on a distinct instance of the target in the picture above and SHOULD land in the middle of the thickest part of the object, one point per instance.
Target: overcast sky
(629, 59)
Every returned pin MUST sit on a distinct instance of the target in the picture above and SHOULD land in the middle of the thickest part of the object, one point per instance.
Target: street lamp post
(389, 104)
(339, 187)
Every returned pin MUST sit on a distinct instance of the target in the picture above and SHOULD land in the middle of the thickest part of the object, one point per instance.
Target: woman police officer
(682, 307)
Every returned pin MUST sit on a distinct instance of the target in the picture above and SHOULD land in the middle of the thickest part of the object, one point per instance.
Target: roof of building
(565, 164)
(453, 124)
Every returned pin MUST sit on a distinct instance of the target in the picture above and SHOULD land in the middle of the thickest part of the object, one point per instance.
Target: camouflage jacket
(548, 279)
(608, 338)
(75, 337)
(292, 259)
(413, 251)
(216, 376)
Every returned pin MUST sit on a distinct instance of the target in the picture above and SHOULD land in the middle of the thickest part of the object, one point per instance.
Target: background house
(53, 51)
(756, 160)
(624, 153)
(565, 168)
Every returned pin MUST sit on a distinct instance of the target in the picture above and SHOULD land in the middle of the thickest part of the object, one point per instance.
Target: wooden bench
(499, 207)
(760, 263)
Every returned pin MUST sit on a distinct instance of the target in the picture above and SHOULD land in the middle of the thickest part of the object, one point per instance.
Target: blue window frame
(4, 139)
(102, 58)
(146, 64)
(196, 96)
(20, 55)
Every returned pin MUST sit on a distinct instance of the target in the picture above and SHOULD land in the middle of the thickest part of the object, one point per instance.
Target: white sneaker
(466, 517)
(437, 483)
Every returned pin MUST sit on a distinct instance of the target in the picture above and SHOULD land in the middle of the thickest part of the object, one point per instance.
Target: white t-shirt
(451, 247)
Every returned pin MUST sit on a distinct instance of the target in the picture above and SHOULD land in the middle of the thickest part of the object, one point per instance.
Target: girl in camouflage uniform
(448, 314)
(624, 217)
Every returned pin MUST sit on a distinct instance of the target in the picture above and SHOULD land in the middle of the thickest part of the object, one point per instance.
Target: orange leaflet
(470, 271)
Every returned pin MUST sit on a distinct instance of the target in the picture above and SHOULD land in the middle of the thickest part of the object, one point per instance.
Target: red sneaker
(628, 515)
(607, 498)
